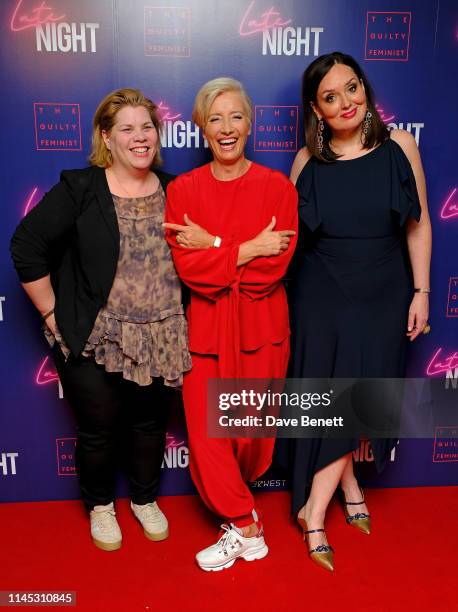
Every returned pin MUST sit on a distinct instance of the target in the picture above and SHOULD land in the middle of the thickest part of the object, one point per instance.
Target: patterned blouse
(141, 331)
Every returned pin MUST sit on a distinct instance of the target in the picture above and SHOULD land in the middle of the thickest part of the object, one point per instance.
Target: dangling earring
(367, 123)
(319, 136)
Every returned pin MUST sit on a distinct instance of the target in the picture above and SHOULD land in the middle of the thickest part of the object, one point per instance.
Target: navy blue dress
(351, 285)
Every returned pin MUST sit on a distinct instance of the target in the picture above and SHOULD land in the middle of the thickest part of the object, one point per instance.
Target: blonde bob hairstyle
(105, 117)
(208, 93)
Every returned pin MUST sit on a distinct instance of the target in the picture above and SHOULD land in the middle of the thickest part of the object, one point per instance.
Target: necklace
(140, 207)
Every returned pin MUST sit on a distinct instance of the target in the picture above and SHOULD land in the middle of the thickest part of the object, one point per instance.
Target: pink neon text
(40, 15)
(269, 19)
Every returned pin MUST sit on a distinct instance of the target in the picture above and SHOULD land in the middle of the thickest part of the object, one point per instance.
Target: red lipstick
(349, 114)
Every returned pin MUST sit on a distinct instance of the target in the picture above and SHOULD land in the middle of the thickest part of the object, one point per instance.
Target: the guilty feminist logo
(275, 128)
(168, 31)
(388, 36)
(279, 35)
(66, 456)
(54, 32)
(445, 445)
(452, 302)
(57, 126)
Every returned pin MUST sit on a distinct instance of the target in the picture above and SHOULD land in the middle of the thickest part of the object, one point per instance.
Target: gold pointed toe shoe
(322, 555)
(360, 520)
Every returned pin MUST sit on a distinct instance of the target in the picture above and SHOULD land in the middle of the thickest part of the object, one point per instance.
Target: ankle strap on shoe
(314, 531)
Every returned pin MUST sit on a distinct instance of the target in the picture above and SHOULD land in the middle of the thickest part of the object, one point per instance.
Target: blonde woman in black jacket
(93, 259)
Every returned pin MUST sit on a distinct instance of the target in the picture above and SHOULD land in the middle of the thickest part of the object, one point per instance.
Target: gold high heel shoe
(322, 555)
(360, 520)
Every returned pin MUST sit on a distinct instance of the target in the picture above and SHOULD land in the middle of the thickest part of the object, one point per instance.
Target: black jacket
(73, 235)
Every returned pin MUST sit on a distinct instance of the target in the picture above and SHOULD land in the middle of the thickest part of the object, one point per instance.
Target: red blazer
(233, 308)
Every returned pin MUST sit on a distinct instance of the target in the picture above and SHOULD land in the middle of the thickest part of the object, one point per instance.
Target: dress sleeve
(208, 272)
(404, 195)
(308, 201)
(262, 275)
(42, 230)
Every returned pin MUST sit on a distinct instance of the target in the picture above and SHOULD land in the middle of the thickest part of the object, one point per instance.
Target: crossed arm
(256, 265)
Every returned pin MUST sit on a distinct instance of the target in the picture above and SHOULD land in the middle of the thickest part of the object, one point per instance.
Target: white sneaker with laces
(154, 523)
(105, 530)
(231, 546)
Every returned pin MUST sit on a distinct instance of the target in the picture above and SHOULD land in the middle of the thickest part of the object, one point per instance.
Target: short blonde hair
(105, 117)
(208, 93)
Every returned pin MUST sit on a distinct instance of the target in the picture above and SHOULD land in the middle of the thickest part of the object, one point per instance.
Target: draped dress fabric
(351, 286)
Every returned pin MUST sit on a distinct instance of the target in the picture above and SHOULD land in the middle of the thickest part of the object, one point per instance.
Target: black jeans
(109, 410)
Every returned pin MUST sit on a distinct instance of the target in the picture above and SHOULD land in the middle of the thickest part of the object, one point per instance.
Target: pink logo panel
(452, 302)
(275, 129)
(57, 126)
(66, 456)
(445, 445)
(168, 31)
(388, 36)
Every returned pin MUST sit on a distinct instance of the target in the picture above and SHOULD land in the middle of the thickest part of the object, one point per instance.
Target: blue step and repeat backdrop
(61, 57)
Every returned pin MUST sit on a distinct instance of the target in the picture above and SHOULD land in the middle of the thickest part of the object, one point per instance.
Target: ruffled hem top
(141, 332)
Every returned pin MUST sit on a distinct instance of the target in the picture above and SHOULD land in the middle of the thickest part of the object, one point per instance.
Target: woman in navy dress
(360, 287)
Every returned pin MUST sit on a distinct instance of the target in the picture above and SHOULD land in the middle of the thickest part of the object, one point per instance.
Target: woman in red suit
(231, 227)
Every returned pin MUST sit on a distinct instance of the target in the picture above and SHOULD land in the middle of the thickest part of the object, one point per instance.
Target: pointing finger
(174, 226)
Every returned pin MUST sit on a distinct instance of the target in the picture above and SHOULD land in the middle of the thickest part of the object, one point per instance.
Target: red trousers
(221, 467)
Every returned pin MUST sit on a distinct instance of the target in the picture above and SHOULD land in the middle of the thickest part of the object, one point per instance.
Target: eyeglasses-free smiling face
(132, 139)
(341, 99)
(227, 128)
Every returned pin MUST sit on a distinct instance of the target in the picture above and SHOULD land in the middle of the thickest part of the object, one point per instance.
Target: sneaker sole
(107, 546)
(254, 555)
(156, 537)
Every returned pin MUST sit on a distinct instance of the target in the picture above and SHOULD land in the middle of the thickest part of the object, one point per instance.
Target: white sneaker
(154, 523)
(229, 547)
(104, 528)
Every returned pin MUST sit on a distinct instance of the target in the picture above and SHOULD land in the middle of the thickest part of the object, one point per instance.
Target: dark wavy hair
(311, 80)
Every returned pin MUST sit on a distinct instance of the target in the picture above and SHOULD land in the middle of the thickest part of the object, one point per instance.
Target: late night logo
(413, 127)
(445, 445)
(452, 302)
(444, 363)
(177, 132)
(57, 126)
(176, 454)
(279, 36)
(275, 128)
(364, 454)
(8, 463)
(388, 36)
(450, 207)
(53, 33)
(168, 31)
